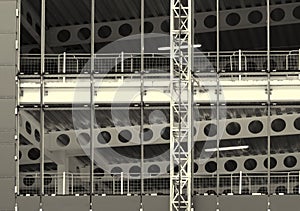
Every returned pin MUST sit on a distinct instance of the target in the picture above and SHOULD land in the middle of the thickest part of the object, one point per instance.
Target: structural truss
(181, 105)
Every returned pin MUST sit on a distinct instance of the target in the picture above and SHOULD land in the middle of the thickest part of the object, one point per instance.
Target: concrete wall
(158, 203)
(8, 36)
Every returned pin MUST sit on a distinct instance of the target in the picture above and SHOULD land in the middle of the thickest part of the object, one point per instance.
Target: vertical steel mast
(181, 105)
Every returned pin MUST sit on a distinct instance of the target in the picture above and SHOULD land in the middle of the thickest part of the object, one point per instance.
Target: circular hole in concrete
(290, 161)
(63, 140)
(230, 165)
(210, 130)
(255, 126)
(250, 164)
(104, 137)
(278, 125)
(63, 35)
(211, 167)
(125, 30)
(34, 154)
(125, 136)
(233, 128)
(83, 139)
(255, 17)
(104, 32)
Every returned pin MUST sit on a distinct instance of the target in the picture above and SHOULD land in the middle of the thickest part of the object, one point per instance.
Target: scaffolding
(181, 137)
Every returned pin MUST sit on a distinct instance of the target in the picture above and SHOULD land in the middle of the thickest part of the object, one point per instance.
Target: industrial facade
(149, 105)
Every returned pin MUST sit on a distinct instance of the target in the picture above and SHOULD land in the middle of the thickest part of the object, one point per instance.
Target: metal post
(128, 186)
(299, 59)
(218, 99)
(122, 64)
(64, 62)
(72, 178)
(288, 183)
(92, 103)
(122, 183)
(241, 182)
(181, 104)
(42, 115)
(240, 64)
(299, 182)
(64, 183)
(269, 97)
(142, 91)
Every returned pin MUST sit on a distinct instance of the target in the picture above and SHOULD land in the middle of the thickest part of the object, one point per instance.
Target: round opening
(210, 130)
(278, 125)
(277, 14)
(148, 27)
(104, 32)
(28, 127)
(34, 154)
(99, 172)
(125, 136)
(211, 166)
(273, 163)
(116, 171)
(250, 164)
(84, 33)
(233, 128)
(165, 26)
(154, 170)
(290, 161)
(83, 139)
(63, 140)
(28, 181)
(125, 30)
(63, 36)
(104, 137)
(165, 133)
(135, 171)
(296, 12)
(47, 179)
(233, 19)
(148, 134)
(37, 135)
(255, 126)
(255, 17)
(297, 123)
(20, 155)
(281, 189)
(230, 165)
(210, 21)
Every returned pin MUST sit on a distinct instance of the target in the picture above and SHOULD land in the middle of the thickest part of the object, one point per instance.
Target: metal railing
(250, 61)
(120, 184)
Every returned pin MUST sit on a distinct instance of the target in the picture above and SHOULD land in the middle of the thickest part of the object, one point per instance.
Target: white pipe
(241, 180)
(64, 183)
(122, 183)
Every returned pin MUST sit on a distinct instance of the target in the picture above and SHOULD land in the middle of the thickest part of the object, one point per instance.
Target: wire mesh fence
(123, 184)
(250, 61)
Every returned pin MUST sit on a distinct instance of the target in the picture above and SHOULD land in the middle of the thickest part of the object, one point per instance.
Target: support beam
(157, 22)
